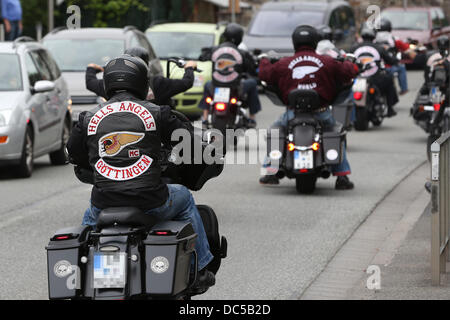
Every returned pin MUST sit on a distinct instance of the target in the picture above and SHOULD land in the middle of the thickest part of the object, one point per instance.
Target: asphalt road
(279, 241)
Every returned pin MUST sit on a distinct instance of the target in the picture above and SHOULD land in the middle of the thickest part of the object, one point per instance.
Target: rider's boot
(205, 280)
(269, 179)
(344, 183)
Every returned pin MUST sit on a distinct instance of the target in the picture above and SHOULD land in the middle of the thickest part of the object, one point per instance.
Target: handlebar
(180, 63)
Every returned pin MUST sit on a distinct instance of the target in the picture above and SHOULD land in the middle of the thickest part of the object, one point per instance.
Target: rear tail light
(163, 233)
(303, 170)
(372, 90)
(220, 106)
(437, 106)
(421, 108)
(357, 95)
(61, 237)
(3, 139)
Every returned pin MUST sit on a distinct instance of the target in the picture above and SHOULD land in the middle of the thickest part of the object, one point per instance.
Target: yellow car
(186, 40)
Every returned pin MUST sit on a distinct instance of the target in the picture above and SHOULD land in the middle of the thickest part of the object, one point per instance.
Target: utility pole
(51, 15)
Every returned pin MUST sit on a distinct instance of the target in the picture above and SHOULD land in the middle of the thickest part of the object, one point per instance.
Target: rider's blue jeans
(249, 86)
(401, 74)
(326, 118)
(179, 206)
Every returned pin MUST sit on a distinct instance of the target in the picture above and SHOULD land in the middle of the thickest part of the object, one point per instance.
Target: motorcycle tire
(362, 119)
(306, 184)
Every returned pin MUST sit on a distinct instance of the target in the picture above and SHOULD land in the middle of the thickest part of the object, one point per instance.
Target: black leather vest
(228, 65)
(124, 143)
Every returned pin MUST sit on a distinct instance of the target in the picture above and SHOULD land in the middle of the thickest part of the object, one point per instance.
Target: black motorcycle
(430, 109)
(370, 102)
(306, 149)
(129, 255)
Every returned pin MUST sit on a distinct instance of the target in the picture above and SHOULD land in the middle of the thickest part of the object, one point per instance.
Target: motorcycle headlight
(5, 117)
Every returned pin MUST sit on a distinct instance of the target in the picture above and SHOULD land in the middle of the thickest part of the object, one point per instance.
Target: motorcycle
(430, 109)
(130, 255)
(370, 102)
(306, 150)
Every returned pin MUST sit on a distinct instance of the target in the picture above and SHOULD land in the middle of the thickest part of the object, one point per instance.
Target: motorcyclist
(323, 74)
(326, 45)
(233, 35)
(161, 88)
(120, 140)
(377, 56)
(384, 36)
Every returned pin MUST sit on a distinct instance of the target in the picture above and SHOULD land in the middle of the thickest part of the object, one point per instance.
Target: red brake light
(357, 95)
(303, 170)
(220, 106)
(437, 106)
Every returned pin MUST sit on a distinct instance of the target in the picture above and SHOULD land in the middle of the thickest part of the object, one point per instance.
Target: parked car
(35, 107)
(186, 40)
(76, 48)
(272, 26)
(420, 24)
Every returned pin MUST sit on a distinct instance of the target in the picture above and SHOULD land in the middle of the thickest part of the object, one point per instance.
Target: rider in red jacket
(308, 70)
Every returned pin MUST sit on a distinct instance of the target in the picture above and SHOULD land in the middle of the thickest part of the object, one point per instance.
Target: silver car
(76, 48)
(35, 106)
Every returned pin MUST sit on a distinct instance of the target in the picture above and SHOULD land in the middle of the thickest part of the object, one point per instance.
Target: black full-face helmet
(368, 34)
(385, 25)
(443, 43)
(139, 52)
(325, 32)
(233, 33)
(305, 35)
(126, 73)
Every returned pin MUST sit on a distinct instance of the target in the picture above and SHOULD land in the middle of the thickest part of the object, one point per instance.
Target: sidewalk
(396, 238)
(409, 274)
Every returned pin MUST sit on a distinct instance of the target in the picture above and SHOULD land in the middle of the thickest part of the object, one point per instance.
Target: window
(53, 67)
(10, 72)
(33, 73)
(436, 22)
(442, 18)
(41, 66)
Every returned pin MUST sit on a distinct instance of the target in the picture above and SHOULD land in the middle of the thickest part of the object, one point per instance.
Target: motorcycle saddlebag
(333, 147)
(169, 248)
(64, 252)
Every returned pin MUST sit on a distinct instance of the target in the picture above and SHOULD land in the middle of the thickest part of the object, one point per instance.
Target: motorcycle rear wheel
(306, 184)
(362, 119)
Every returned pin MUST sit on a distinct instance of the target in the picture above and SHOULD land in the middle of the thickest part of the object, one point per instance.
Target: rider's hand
(96, 67)
(191, 64)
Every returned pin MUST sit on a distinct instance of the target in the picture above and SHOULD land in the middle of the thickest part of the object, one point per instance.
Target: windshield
(186, 45)
(283, 23)
(10, 76)
(407, 20)
(75, 54)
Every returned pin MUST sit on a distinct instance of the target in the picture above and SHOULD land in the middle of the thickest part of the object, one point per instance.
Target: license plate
(360, 85)
(110, 270)
(222, 94)
(303, 159)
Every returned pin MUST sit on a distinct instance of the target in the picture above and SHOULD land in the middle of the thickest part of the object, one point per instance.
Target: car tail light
(357, 95)
(220, 106)
(437, 106)
(315, 146)
(208, 100)
(233, 100)
(291, 146)
(3, 139)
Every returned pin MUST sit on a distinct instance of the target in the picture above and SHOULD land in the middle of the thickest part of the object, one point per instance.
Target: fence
(440, 207)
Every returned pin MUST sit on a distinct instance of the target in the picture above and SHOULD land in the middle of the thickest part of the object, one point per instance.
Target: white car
(35, 106)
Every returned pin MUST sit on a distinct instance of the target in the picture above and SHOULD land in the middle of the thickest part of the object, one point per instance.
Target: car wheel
(25, 168)
(60, 157)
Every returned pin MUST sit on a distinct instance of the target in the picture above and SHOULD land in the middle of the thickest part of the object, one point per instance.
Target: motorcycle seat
(128, 216)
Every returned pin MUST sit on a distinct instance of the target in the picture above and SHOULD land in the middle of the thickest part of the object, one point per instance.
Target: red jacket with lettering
(308, 70)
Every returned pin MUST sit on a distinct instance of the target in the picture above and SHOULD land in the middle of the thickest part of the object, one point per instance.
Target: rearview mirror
(43, 86)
